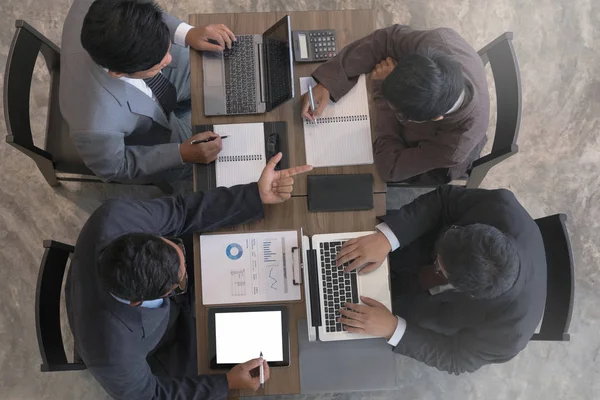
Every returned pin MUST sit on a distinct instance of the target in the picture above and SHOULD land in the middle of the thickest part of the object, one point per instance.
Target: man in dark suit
(468, 278)
(133, 322)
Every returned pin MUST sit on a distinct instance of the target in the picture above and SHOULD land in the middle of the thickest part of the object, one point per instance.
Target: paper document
(342, 134)
(243, 156)
(248, 267)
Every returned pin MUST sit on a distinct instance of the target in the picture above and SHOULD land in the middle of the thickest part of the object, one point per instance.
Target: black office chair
(560, 285)
(59, 155)
(501, 56)
(47, 309)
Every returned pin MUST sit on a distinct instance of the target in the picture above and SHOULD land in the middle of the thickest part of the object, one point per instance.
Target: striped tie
(164, 91)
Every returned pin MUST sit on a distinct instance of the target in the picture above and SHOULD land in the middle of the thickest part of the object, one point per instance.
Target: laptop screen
(279, 69)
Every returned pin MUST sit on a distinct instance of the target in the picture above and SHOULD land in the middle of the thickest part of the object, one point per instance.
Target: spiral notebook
(342, 135)
(245, 153)
(243, 156)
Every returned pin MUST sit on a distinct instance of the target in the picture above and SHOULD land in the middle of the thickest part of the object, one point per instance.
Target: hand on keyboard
(200, 38)
(366, 252)
(371, 318)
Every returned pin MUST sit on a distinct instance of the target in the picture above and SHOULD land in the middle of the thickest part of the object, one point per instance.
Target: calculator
(314, 46)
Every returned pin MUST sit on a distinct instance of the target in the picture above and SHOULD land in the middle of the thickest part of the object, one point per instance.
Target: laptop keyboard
(339, 287)
(240, 87)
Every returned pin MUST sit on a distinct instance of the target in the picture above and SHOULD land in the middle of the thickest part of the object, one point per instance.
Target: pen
(262, 373)
(312, 102)
(206, 140)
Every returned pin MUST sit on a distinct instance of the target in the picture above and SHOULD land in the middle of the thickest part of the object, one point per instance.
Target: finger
(352, 315)
(224, 37)
(296, 170)
(351, 322)
(288, 181)
(356, 264)
(368, 268)
(228, 32)
(371, 302)
(208, 46)
(251, 364)
(359, 308)
(391, 61)
(284, 196)
(204, 135)
(284, 189)
(353, 330)
(305, 108)
(349, 256)
(346, 249)
(320, 107)
(267, 370)
(273, 161)
(216, 35)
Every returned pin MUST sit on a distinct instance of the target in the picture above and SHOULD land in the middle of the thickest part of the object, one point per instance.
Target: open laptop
(327, 287)
(254, 76)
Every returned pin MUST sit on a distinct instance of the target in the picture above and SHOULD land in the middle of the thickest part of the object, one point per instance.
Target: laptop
(254, 76)
(327, 287)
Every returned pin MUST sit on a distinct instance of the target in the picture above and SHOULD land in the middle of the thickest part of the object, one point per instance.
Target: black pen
(210, 139)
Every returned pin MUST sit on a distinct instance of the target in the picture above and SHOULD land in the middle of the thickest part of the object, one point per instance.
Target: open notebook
(243, 156)
(342, 135)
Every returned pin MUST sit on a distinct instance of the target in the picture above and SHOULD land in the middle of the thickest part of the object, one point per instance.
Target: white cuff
(389, 234)
(181, 32)
(400, 329)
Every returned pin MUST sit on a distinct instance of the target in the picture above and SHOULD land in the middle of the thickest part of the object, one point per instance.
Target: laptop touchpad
(213, 69)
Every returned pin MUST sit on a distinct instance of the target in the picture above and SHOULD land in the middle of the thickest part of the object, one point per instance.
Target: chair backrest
(47, 308)
(561, 280)
(26, 45)
(501, 56)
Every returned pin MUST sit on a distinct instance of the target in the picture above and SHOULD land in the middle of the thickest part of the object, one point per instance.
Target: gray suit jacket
(120, 132)
(452, 331)
(115, 339)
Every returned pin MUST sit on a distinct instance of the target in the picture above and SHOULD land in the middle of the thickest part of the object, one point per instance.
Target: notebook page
(243, 156)
(342, 134)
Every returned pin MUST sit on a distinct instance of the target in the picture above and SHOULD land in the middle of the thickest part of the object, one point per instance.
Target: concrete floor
(555, 171)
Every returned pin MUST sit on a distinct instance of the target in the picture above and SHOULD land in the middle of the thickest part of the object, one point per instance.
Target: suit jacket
(115, 339)
(452, 331)
(439, 151)
(120, 132)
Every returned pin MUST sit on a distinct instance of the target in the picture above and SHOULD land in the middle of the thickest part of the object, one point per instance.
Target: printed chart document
(248, 267)
(243, 156)
(342, 134)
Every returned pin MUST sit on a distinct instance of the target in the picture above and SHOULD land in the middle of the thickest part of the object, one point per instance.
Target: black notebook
(340, 192)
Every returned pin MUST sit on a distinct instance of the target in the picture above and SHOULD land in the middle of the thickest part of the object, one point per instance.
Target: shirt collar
(458, 103)
(147, 304)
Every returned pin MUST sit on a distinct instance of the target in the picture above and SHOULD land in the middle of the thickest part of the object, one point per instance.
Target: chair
(59, 155)
(47, 309)
(501, 56)
(560, 285)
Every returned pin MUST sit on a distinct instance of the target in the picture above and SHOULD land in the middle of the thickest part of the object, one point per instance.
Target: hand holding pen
(320, 100)
(202, 148)
(248, 376)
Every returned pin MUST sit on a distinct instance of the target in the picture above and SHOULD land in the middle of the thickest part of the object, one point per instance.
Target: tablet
(239, 334)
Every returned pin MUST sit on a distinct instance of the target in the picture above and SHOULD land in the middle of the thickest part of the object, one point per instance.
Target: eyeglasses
(437, 269)
(183, 283)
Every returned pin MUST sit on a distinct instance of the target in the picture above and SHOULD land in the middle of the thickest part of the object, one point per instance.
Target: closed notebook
(351, 192)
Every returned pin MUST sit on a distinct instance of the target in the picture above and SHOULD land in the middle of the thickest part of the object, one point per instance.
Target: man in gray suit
(468, 277)
(125, 89)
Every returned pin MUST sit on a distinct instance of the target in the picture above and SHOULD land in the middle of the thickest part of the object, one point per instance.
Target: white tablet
(239, 334)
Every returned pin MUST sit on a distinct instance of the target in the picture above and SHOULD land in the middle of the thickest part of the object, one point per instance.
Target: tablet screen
(241, 336)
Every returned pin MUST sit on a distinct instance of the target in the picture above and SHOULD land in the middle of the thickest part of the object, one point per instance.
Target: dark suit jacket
(452, 331)
(438, 151)
(114, 339)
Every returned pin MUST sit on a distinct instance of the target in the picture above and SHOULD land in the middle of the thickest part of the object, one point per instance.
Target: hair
(479, 260)
(424, 86)
(139, 266)
(125, 36)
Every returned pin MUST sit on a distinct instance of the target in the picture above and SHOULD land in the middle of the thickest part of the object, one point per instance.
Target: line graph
(273, 279)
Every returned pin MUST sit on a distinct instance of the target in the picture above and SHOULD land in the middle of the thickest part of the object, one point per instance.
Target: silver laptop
(254, 76)
(327, 287)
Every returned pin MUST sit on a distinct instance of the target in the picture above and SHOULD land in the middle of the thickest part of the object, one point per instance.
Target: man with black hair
(431, 98)
(129, 290)
(468, 271)
(125, 89)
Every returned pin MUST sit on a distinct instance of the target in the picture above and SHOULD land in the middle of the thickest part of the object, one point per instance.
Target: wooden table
(293, 214)
(348, 25)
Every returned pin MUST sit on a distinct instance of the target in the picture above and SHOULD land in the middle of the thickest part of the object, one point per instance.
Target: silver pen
(312, 102)
(262, 372)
